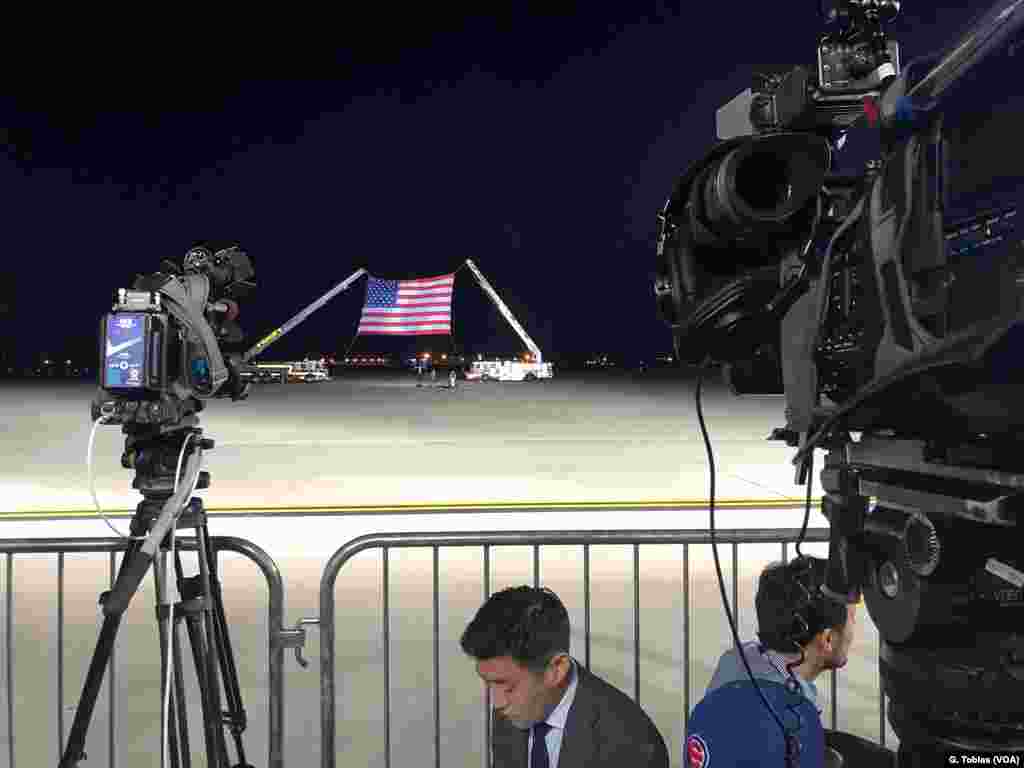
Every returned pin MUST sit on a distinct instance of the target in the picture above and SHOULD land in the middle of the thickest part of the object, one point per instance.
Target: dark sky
(539, 141)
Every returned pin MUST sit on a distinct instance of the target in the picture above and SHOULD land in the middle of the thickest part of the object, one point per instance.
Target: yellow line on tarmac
(685, 505)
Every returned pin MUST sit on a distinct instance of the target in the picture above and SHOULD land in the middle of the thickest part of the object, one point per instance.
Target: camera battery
(133, 352)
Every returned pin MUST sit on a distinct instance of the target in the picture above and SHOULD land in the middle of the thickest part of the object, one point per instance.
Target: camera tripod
(937, 555)
(201, 606)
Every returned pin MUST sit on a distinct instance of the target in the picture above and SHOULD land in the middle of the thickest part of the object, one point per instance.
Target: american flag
(408, 307)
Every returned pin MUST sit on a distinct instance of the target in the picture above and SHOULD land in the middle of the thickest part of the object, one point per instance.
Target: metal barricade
(277, 641)
(486, 540)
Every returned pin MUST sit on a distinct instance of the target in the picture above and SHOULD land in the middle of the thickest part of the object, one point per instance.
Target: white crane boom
(277, 333)
(506, 312)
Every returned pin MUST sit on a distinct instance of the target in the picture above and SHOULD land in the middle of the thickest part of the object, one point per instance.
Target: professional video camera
(168, 346)
(164, 350)
(888, 303)
(161, 346)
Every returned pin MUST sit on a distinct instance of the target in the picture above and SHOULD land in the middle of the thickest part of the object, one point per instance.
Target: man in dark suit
(549, 711)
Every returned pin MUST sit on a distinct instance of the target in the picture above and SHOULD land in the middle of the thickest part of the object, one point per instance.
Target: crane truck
(532, 369)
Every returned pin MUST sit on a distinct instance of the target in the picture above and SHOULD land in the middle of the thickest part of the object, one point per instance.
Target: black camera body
(163, 346)
(806, 282)
(887, 306)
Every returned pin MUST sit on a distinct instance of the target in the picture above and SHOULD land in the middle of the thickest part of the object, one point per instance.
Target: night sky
(539, 141)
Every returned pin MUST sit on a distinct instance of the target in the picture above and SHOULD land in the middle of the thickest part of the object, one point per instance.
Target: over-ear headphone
(813, 610)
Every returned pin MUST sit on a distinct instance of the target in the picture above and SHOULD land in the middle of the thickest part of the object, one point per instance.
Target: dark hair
(529, 624)
(785, 589)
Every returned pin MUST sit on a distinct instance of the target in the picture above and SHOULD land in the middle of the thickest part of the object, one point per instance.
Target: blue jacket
(730, 726)
(767, 666)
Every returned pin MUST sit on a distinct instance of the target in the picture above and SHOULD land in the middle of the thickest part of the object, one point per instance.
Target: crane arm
(276, 334)
(505, 311)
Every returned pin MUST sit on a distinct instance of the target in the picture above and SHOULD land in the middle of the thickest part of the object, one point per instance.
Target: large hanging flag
(408, 307)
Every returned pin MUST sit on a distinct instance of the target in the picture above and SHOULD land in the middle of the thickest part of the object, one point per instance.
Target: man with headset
(802, 633)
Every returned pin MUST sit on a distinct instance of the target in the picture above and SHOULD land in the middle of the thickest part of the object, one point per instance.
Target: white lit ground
(379, 441)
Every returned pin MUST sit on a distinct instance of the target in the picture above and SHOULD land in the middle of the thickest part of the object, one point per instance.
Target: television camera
(170, 344)
(886, 306)
(163, 352)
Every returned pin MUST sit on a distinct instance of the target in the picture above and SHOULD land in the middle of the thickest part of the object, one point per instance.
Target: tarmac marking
(679, 505)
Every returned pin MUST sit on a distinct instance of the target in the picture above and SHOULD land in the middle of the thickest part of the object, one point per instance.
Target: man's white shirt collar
(560, 713)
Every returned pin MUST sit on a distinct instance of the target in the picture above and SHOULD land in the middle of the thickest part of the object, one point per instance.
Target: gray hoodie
(768, 665)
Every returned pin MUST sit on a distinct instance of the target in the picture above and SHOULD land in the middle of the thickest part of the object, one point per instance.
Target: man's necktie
(539, 753)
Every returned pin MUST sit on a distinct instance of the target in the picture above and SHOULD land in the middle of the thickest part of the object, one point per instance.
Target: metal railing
(536, 539)
(278, 637)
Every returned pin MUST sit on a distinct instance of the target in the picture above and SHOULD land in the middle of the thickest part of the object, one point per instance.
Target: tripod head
(155, 456)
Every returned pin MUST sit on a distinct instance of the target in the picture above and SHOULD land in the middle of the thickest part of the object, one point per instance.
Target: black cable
(807, 506)
(795, 689)
(788, 736)
(825, 277)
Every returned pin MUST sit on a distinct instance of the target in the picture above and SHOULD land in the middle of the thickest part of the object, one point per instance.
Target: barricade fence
(589, 556)
(487, 543)
(65, 703)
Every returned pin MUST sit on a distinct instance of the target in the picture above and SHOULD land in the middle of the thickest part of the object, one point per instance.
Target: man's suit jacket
(605, 729)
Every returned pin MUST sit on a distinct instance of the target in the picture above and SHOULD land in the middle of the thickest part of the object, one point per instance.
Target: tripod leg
(179, 696)
(172, 735)
(162, 605)
(74, 749)
(194, 603)
(73, 752)
(175, 719)
(236, 716)
(212, 658)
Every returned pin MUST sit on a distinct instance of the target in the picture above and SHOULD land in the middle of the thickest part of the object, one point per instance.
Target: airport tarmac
(377, 441)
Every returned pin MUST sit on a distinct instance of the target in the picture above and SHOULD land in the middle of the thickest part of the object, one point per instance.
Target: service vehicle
(531, 368)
